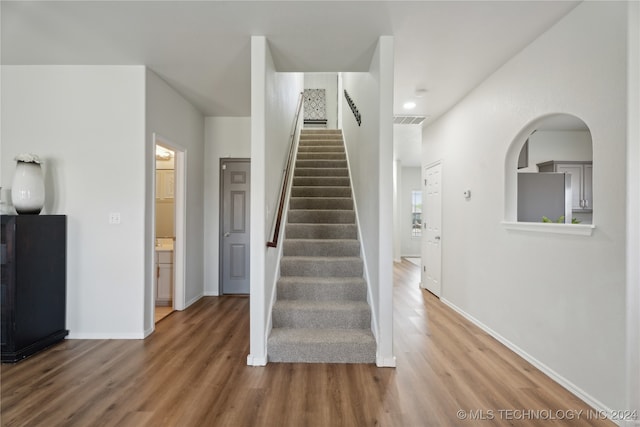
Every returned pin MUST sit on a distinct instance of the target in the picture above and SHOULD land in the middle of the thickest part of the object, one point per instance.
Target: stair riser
(318, 247)
(307, 131)
(339, 203)
(322, 292)
(320, 136)
(320, 149)
(321, 164)
(321, 172)
(322, 353)
(325, 268)
(322, 156)
(326, 143)
(321, 231)
(302, 191)
(322, 181)
(322, 217)
(312, 319)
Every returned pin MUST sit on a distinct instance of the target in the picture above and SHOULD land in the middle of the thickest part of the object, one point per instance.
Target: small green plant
(560, 220)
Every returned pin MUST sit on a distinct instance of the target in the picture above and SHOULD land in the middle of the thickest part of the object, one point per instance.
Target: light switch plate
(114, 218)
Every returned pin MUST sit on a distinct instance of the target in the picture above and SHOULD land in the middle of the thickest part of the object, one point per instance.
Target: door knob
(227, 234)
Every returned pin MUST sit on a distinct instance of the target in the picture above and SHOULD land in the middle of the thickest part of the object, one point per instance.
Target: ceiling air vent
(408, 120)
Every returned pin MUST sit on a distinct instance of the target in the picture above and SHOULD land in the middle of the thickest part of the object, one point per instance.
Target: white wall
(225, 137)
(328, 82)
(274, 99)
(171, 116)
(558, 145)
(88, 124)
(557, 299)
(411, 178)
(370, 152)
(397, 211)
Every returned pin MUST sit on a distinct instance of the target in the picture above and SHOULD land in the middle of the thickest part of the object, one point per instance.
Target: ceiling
(203, 48)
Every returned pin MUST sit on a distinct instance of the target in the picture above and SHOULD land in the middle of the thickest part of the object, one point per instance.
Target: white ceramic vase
(27, 191)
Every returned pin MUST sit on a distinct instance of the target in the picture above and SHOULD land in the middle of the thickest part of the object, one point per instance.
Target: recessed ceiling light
(409, 105)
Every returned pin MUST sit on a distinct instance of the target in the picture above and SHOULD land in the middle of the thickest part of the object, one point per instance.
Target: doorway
(235, 179)
(169, 228)
(432, 266)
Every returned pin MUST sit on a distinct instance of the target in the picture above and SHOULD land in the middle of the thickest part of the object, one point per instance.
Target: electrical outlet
(114, 218)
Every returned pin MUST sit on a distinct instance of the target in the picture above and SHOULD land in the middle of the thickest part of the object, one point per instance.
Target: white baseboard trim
(211, 294)
(572, 388)
(385, 362)
(106, 336)
(187, 304)
(149, 331)
(256, 361)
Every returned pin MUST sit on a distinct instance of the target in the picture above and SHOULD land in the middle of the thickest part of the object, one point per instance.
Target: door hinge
(224, 167)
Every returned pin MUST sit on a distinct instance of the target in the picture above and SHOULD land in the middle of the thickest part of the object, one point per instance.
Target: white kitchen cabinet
(164, 278)
(165, 184)
(581, 181)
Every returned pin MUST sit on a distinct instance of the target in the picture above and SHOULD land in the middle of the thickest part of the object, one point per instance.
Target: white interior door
(432, 263)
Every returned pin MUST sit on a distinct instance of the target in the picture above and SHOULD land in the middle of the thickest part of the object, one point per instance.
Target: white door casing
(432, 264)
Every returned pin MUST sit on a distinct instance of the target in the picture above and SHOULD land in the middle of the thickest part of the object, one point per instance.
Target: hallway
(192, 372)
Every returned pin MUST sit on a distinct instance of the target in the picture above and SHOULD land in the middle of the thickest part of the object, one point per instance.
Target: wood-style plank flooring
(160, 312)
(192, 372)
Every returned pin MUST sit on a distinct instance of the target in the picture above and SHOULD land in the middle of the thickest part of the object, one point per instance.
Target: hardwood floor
(192, 372)
(160, 312)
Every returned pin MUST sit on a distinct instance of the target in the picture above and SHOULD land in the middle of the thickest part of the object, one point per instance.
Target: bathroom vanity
(164, 274)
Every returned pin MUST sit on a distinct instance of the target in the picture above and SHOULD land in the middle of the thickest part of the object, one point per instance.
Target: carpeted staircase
(321, 314)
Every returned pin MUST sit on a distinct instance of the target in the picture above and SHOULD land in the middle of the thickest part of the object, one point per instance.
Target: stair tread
(320, 198)
(321, 258)
(324, 211)
(321, 305)
(321, 231)
(321, 241)
(310, 280)
(321, 335)
(317, 187)
(308, 225)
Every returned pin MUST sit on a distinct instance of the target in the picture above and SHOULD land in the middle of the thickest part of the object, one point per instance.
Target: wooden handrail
(285, 181)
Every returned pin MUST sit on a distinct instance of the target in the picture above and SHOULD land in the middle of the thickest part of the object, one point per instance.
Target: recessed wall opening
(549, 173)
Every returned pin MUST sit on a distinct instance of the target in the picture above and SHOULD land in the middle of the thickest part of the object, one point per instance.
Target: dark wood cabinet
(33, 282)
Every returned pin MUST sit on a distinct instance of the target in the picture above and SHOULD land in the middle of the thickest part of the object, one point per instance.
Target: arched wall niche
(558, 142)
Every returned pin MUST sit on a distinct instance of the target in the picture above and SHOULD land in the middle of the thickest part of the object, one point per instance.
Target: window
(416, 213)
